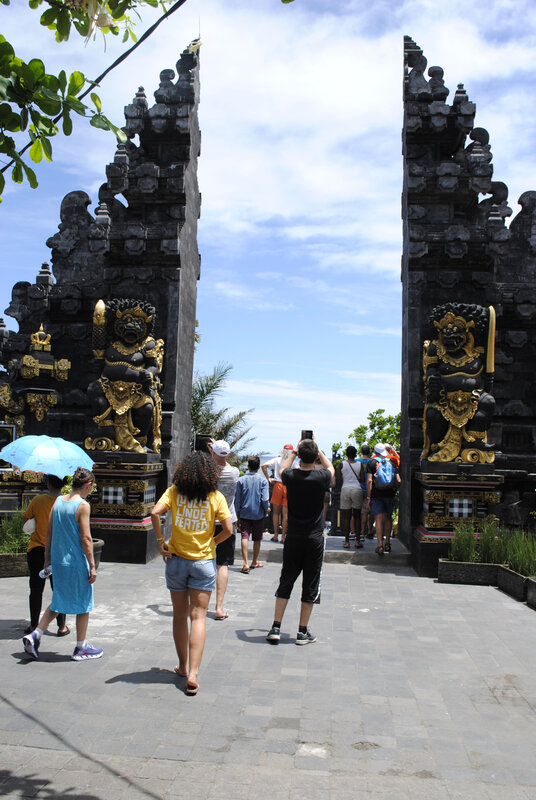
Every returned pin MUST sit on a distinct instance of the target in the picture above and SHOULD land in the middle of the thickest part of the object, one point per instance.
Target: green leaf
(96, 101)
(36, 151)
(67, 123)
(98, 121)
(122, 6)
(125, 36)
(47, 148)
(62, 80)
(23, 118)
(8, 119)
(75, 105)
(30, 175)
(51, 82)
(121, 135)
(6, 50)
(76, 82)
(48, 17)
(49, 106)
(63, 24)
(16, 174)
(38, 68)
(82, 27)
(2, 183)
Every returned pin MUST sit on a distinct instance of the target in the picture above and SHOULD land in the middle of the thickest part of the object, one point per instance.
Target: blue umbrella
(49, 454)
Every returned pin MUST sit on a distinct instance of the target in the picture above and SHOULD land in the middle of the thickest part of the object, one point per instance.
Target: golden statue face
(130, 328)
(454, 332)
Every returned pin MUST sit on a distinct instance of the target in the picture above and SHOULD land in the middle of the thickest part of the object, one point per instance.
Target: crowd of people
(209, 503)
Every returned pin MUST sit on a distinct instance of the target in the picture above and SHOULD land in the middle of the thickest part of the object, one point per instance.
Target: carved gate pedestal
(450, 493)
(128, 486)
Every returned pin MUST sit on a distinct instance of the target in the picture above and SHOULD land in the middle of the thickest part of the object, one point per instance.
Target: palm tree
(219, 423)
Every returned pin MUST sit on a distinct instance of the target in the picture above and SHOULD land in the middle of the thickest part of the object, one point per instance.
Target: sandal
(379, 550)
(245, 570)
(358, 545)
(387, 548)
(346, 545)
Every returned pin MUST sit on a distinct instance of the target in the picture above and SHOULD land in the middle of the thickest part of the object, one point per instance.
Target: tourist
(349, 476)
(383, 480)
(69, 551)
(35, 518)
(225, 551)
(303, 551)
(190, 555)
(278, 500)
(366, 521)
(251, 507)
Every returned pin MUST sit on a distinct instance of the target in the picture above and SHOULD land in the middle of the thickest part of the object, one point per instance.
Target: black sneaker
(305, 638)
(274, 636)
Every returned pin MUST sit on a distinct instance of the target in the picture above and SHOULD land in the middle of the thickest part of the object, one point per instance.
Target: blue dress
(72, 594)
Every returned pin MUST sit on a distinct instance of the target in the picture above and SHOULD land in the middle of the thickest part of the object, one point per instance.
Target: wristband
(159, 538)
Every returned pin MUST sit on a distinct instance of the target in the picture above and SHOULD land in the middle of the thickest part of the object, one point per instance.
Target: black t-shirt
(305, 499)
(372, 466)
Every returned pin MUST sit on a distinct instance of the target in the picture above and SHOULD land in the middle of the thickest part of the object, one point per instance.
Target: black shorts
(225, 550)
(302, 554)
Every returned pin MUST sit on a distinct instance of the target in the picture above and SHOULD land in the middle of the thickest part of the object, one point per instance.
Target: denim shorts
(182, 574)
(382, 505)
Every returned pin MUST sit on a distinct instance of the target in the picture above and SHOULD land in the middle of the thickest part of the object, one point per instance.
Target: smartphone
(200, 442)
(306, 434)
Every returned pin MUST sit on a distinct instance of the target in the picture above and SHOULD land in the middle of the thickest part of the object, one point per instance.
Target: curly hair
(196, 476)
(81, 477)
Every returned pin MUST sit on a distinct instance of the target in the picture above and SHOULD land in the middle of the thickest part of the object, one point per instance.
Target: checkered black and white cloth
(460, 507)
(112, 495)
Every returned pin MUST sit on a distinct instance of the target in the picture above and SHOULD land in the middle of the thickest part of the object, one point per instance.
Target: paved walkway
(414, 690)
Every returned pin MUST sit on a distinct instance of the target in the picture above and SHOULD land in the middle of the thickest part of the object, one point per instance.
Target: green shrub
(12, 537)
(462, 546)
(489, 547)
(521, 555)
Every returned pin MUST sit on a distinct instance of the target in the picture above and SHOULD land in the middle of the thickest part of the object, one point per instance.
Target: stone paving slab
(414, 689)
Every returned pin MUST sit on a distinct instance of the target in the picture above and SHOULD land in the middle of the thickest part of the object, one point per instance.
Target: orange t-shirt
(39, 509)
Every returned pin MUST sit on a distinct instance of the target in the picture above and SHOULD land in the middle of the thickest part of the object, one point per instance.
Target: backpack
(385, 475)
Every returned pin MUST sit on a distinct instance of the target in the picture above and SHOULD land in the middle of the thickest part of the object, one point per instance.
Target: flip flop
(191, 689)
(245, 570)
(379, 550)
(225, 616)
(178, 672)
(66, 632)
(346, 545)
(257, 566)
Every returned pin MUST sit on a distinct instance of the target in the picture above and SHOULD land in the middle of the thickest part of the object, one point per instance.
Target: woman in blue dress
(69, 551)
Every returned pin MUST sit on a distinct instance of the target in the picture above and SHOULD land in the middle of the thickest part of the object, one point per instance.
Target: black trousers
(302, 554)
(36, 562)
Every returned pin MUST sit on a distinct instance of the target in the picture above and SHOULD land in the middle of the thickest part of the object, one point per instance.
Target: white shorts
(351, 497)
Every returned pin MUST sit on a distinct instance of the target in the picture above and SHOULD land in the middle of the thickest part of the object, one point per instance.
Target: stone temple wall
(458, 247)
(141, 244)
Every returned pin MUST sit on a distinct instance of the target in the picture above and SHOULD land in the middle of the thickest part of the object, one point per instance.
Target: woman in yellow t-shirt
(190, 554)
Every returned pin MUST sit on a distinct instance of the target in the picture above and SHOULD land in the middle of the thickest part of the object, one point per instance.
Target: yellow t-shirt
(39, 509)
(192, 524)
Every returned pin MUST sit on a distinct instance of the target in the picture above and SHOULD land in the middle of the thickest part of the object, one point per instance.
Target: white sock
(81, 644)
(38, 632)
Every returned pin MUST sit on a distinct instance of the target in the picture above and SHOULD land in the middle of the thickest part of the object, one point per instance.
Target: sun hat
(221, 448)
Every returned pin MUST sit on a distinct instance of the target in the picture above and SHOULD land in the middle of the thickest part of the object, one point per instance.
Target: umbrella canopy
(49, 454)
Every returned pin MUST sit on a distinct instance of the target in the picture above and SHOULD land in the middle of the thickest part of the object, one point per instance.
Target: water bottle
(46, 572)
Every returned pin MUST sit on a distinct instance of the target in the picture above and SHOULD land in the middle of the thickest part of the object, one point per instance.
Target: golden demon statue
(126, 398)
(458, 370)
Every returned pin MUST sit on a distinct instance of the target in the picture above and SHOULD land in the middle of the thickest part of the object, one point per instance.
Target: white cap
(221, 448)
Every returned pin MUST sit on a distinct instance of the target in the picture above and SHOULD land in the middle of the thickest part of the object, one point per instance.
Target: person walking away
(36, 516)
(366, 522)
(190, 555)
(349, 476)
(383, 480)
(278, 500)
(69, 551)
(225, 550)
(303, 551)
(251, 507)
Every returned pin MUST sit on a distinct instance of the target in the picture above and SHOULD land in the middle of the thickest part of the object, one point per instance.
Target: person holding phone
(304, 546)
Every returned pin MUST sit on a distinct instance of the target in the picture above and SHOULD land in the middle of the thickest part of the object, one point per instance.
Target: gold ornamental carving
(126, 398)
(39, 403)
(457, 375)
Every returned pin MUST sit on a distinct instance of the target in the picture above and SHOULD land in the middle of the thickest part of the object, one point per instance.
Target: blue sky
(301, 175)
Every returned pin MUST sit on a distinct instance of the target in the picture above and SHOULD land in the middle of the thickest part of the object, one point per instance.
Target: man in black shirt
(303, 550)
